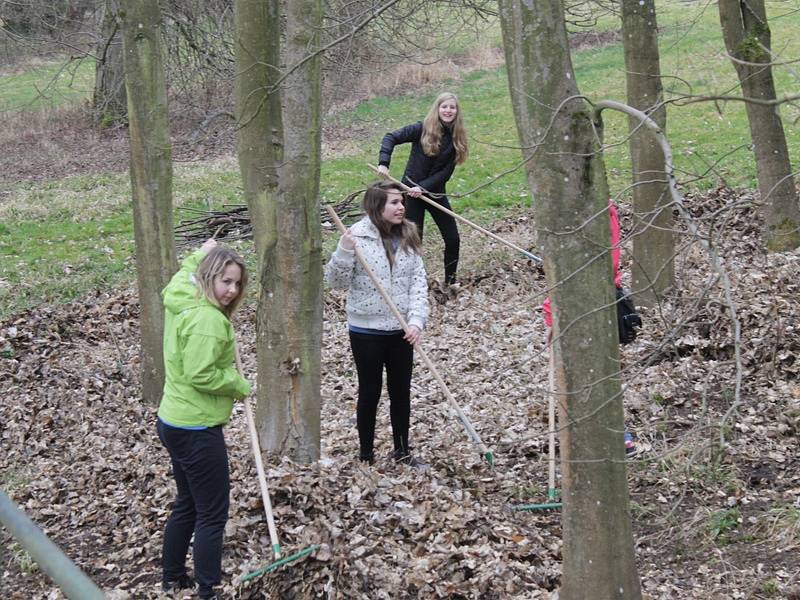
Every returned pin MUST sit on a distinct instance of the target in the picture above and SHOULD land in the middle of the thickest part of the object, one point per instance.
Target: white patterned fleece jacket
(405, 282)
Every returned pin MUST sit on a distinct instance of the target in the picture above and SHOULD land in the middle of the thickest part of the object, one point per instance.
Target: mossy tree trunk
(109, 102)
(279, 157)
(292, 416)
(568, 183)
(747, 39)
(151, 179)
(258, 113)
(653, 241)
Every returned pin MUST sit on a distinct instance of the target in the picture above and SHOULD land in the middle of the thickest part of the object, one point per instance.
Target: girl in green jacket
(200, 387)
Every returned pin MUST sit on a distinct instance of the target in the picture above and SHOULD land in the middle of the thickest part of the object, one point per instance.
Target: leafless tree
(279, 119)
(567, 177)
(151, 179)
(745, 29)
(653, 245)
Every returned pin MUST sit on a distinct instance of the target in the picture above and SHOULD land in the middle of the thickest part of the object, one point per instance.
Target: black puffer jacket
(429, 172)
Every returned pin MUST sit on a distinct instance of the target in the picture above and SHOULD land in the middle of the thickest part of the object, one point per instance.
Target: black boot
(209, 594)
(184, 582)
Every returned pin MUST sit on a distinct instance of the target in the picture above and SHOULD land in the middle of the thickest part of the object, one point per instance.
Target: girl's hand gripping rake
(475, 226)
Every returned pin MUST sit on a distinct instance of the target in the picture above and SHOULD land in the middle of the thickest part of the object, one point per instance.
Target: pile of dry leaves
(714, 489)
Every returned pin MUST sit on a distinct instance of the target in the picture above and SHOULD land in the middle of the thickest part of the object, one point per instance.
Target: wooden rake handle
(262, 477)
(473, 435)
(475, 226)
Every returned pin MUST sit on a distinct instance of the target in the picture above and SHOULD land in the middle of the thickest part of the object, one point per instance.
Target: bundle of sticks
(232, 222)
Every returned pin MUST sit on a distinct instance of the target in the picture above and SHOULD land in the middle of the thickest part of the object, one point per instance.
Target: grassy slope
(58, 239)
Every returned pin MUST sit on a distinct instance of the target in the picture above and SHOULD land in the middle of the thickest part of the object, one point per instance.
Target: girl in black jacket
(438, 144)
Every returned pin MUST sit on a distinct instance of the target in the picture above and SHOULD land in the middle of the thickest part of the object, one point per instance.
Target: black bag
(628, 320)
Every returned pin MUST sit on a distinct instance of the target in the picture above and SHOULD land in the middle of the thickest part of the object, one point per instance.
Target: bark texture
(653, 242)
(747, 39)
(568, 182)
(109, 102)
(151, 179)
(279, 154)
(258, 113)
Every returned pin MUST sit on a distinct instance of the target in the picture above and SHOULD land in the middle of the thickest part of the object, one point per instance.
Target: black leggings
(371, 354)
(200, 467)
(415, 211)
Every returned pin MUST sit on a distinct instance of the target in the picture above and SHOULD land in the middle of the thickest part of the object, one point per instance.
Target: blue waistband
(189, 427)
(368, 331)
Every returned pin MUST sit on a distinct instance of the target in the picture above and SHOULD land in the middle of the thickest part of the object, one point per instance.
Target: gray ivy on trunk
(279, 157)
(151, 179)
(653, 242)
(748, 40)
(568, 183)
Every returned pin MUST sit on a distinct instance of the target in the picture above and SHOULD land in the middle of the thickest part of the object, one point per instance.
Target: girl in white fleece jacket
(391, 247)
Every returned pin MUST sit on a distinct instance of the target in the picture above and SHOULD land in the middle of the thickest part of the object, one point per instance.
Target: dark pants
(372, 353)
(200, 467)
(415, 211)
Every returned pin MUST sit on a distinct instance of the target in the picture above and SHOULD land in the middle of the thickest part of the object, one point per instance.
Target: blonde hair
(374, 202)
(212, 266)
(433, 128)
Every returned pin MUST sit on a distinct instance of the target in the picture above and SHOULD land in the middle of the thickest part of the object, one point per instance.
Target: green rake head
(552, 496)
(279, 563)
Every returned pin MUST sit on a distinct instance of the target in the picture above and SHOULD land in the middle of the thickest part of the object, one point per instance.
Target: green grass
(722, 524)
(59, 239)
(47, 86)
(770, 587)
(20, 557)
(49, 251)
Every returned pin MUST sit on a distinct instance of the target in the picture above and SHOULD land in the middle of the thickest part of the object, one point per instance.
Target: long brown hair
(432, 130)
(374, 202)
(212, 266)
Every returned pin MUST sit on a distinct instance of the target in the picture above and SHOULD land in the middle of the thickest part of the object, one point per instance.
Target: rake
(465, 422)
(552, 492)
(262, 480)
(475, 226)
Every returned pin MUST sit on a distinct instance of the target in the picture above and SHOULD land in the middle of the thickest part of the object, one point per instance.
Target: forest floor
(715, 488)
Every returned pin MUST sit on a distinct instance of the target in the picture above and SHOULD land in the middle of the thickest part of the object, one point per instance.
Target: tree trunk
(295, 313)
(109, 102)
(653, 242)
(747, 39)
(279, 154)
(151, 180)
(258, 113)
(569, 186)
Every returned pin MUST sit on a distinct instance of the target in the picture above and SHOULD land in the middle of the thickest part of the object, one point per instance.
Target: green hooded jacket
(201, 379)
